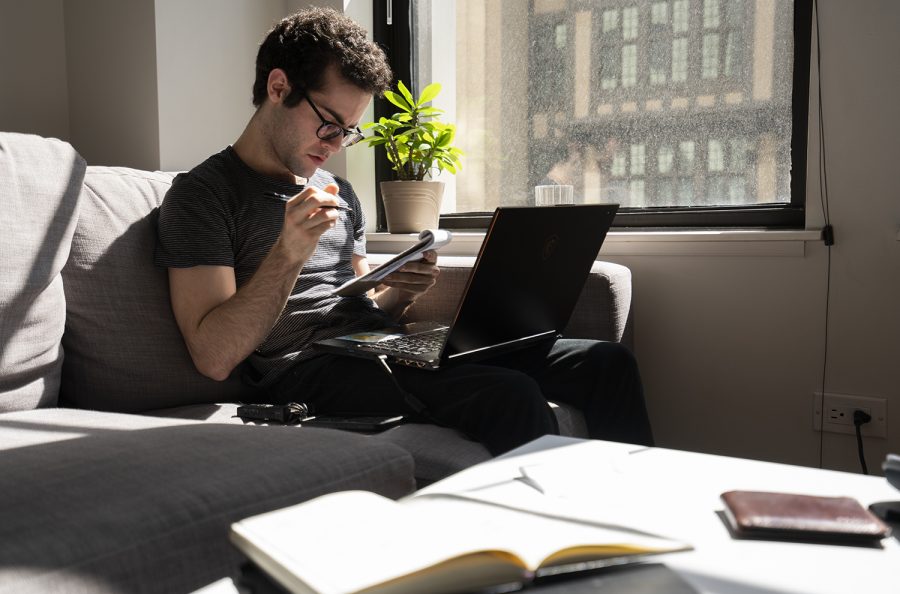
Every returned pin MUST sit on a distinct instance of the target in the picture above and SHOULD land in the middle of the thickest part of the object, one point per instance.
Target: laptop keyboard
(415, 344)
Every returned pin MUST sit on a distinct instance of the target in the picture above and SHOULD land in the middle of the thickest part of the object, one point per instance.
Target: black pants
(500, 402)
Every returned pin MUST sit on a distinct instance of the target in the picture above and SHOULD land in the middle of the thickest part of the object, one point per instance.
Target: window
(684, 112)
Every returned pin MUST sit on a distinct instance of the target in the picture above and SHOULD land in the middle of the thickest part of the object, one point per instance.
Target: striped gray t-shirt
(217, 215)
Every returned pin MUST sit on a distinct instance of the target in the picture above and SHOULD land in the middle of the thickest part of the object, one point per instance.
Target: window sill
(701, 242)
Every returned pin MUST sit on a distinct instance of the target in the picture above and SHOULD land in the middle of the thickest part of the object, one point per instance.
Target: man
(251, 276)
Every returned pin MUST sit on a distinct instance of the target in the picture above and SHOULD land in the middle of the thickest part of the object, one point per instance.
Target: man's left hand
(414, 278)
(408, 283)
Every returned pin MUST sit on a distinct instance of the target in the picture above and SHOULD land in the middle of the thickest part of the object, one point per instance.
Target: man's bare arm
(221, 324)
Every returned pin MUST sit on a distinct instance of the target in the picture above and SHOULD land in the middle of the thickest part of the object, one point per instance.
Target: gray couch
(121, 466)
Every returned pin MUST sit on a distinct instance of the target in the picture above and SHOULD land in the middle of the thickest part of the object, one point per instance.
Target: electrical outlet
(834, 414)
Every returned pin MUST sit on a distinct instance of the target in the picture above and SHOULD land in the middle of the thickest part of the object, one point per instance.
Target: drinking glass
(553, 195)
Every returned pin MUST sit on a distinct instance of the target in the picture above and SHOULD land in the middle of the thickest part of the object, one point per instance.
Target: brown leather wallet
(788, 516)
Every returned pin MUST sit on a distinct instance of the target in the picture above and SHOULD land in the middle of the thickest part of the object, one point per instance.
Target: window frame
(397, 41)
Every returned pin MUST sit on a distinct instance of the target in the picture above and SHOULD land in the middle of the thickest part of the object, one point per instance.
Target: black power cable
(828, 230)
(860, 418)
(411, 401)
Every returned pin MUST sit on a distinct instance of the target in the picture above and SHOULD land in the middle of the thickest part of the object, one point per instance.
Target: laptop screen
(529, 273)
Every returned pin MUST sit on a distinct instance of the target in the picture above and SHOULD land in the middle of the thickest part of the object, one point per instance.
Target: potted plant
(417, 146)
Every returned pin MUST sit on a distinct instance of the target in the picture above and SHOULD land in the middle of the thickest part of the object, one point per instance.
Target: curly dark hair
(306, 43)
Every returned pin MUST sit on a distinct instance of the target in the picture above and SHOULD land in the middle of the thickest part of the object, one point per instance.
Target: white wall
(358, 162)
(111, 65)
(206, 52)
(34, 93)
(730, 350)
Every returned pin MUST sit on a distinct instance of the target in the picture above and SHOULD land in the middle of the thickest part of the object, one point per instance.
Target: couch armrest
(602, 311)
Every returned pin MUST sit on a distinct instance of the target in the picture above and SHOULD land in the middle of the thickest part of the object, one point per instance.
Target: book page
(565, 490)
(541, 536)
(546, 490)
(353, 540)
(429, 239)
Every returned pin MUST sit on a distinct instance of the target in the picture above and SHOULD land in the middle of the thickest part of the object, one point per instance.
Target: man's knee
(518, 392)
(521, 413)
(612, 355)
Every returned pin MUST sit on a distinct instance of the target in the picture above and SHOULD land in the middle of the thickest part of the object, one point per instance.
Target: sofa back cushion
(40, 182)
(124, 351)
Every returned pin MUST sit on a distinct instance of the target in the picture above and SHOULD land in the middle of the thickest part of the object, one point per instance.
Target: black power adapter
(286, 414)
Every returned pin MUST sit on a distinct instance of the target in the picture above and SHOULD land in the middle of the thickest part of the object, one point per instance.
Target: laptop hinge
(503, 346)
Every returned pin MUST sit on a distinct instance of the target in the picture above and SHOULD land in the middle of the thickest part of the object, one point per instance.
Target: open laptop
(529, 273)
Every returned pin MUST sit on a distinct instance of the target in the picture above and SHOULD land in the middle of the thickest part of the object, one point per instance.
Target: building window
(679, 59)
(630, 23)
(629, 65)
(681, 16)
(660, 47)
(710, 14)
(560, 36)
(710, 58)
(609, 68)
(653, 104)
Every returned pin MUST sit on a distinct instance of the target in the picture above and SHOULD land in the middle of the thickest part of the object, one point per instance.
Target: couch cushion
(41, 181)
(438, 451)
(103, 502)
(124, 351)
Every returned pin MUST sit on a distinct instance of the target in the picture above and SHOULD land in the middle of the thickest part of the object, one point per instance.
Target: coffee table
(676, 494)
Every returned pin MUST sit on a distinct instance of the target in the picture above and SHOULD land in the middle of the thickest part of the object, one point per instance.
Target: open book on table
(356, 541)
(429, 239)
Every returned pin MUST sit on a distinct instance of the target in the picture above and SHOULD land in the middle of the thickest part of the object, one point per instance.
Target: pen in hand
(285, 198)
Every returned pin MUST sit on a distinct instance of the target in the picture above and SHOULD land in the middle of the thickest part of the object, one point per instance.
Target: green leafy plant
(416, 143)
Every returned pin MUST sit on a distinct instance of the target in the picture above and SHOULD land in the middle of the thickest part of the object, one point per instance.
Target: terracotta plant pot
(411, 206)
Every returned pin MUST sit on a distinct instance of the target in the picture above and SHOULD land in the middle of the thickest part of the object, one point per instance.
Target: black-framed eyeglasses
(329, 129)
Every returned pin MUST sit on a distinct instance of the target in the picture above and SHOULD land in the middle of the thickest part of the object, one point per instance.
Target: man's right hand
(305, 221)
